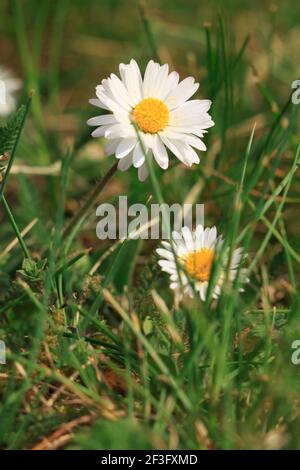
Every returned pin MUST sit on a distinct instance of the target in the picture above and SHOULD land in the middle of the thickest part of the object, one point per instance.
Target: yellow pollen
(198, 264)
(151, 115)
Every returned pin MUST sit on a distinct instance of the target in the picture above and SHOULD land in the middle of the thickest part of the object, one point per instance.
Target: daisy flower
(159, 106)
(8, 86)
(195, 252)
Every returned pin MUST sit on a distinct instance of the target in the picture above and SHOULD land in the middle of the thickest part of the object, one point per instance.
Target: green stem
(92, 198)
(148, 31)
(160, 199)
(15, 227)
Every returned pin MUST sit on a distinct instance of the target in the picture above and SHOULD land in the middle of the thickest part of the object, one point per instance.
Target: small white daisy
(195, 253)
(8, 86)
(158, 106)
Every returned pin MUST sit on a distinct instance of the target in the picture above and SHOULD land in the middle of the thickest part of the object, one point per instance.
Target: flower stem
(15, 227)
(92, 198)
(148, 31)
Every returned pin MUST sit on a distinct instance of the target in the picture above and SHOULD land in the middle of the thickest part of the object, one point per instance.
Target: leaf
(33, 270)
(9, 132)
(148, 326)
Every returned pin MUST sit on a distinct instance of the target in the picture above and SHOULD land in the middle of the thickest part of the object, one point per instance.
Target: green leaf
(9, 132)
(33, 270)
(148, 326)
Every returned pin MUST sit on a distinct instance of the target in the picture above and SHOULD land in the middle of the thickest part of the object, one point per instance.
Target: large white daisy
(189, 262)
(159, 107)
(8, 86)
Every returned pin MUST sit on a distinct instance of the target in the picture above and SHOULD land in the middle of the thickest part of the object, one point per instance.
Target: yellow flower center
(151, 115)
(198, 264)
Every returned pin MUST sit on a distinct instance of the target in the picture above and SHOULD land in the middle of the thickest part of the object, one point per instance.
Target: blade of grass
(15, 227)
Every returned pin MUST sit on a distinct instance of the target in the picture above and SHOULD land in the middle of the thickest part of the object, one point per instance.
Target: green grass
(98, 354)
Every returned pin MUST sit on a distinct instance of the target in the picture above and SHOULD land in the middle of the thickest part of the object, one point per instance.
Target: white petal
(125, 147)
(167, 263)
(102, 120)
(118, 131)
(160, 81)
(191, 113)
(186, 130)
(190, 155)
(203, 291)
(179, 245)
(98, 103)
(174, 285)
(177, 238)
(170, 84)
(199, 237)
(119, 92)
(188, 238)
(111, 147)
(148, 140)
(151, 72)
(138, 156)
(206, 238)
(143, 172)
(125, 163)
(175, 146)
(211, 238)
(165, 254)
(196, 142)
(182, 92)
(205, 123)
(217, 291)
(174, 277)
(105, 96)
(236, 258)
(189, 291)
(167, 266)
(100, 131)
(160, 153)
(188, 138)
(132, 79)
(195, 107)
(167, 245)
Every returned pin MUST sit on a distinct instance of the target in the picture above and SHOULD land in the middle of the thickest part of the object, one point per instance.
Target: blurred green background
(88, 39)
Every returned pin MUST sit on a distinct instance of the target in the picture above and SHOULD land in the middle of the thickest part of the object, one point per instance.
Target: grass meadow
(99, 354)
